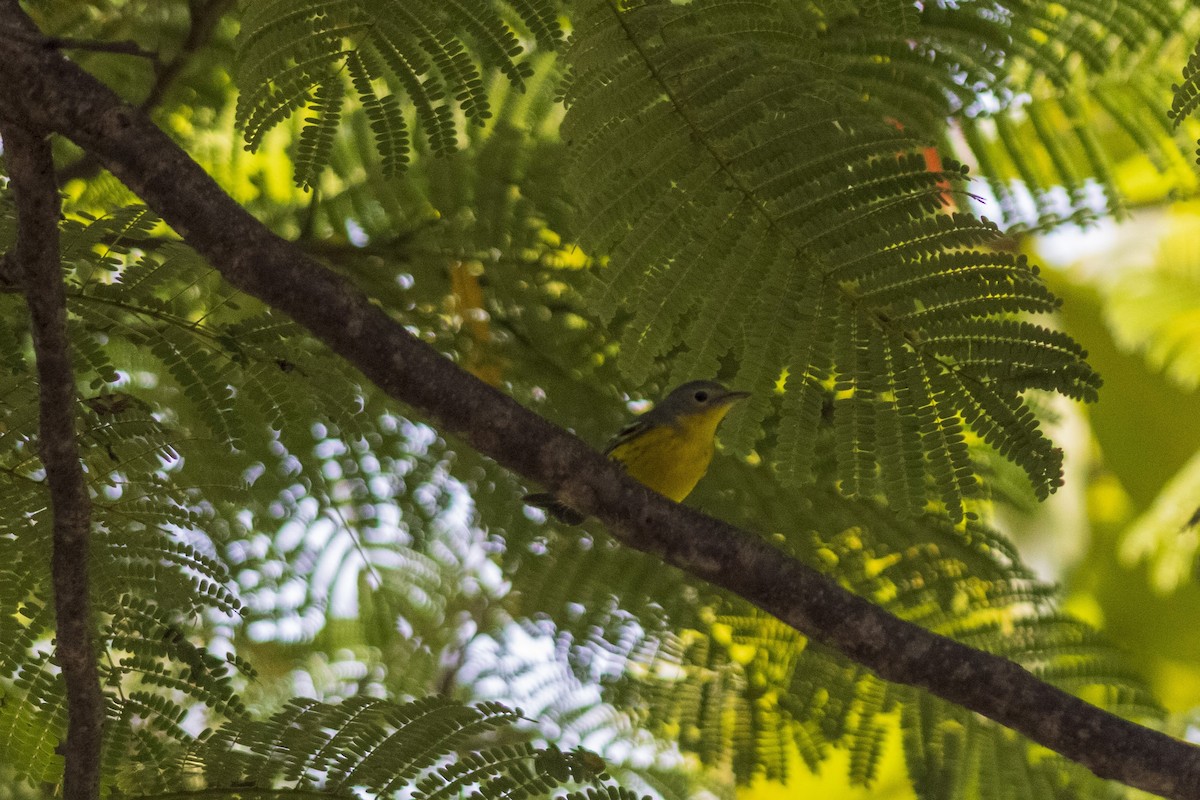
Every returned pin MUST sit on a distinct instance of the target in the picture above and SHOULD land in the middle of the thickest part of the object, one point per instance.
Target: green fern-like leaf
(1053, 83)
(380, 747)
(316, 138)
(743, 691)
(604, 793)
(1079, 73)
(385, 115)
(1187, 93)
(436, 55)
(690, 184)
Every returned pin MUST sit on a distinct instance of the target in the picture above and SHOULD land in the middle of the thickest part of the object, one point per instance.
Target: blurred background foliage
(283, 518)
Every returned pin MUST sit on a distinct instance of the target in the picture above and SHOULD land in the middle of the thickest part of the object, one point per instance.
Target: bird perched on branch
(668, 448)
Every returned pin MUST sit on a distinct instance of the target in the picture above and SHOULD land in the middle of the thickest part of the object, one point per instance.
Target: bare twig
(205, 14)
(125, 47)
(37, 257)
(253, 259)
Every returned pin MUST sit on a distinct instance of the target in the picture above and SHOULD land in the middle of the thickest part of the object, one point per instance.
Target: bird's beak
(733, 397)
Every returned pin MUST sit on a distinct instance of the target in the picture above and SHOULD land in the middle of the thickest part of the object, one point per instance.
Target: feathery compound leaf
(604, 793)
(1187, 93)
(742, 690)
(436, 55)
(764, 172)
(429, 746)
(316, 138)
(1072, 94)
(385, 115)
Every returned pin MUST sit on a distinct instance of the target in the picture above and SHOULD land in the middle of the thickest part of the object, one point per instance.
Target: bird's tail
(555, 507)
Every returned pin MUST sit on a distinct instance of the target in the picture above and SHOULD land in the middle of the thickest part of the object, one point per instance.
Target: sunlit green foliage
(762, 171)
(436, 56)
(764, 192)
(378, 747)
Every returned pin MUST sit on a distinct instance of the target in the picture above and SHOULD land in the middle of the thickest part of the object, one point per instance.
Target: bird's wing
(630, 431)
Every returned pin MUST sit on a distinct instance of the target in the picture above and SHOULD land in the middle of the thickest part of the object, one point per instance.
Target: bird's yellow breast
(672, 458)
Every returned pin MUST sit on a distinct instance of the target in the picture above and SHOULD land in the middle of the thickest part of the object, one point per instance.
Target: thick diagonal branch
(37, 266)
(256, 261)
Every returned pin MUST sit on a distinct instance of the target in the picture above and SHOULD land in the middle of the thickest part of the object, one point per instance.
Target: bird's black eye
(701, 396)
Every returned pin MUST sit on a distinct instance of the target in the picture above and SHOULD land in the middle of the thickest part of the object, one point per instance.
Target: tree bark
(35, 262)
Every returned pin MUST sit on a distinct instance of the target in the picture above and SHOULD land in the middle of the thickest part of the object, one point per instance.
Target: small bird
(668, 448)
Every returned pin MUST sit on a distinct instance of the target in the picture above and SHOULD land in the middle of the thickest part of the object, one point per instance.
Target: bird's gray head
(696, 396)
